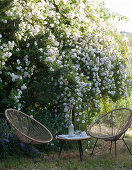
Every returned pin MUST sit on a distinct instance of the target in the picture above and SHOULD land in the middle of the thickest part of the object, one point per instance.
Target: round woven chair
(28, 130)
(112, 126)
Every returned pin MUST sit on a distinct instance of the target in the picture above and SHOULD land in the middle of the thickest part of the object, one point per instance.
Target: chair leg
(115, 149)
(111, 147)
(80, 149)
(62, 142)
(94, 147)
(127, 146)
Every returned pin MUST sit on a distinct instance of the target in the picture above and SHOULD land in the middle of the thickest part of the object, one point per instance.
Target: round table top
(71, 138)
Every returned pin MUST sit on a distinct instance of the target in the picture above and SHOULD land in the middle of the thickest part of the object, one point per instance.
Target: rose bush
(64, 59)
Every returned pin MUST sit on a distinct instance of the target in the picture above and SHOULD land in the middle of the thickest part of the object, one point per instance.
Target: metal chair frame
(112, 138)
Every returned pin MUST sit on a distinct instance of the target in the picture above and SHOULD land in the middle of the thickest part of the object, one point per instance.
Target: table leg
(111, 147)
(61, 146)
(80, 149)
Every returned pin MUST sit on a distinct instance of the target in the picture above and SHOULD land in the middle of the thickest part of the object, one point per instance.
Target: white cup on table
(83, 134)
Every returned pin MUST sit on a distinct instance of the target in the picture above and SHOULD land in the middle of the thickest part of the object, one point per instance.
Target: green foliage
(6, 137)
(8, 28)
(60, 59)
(8, 25)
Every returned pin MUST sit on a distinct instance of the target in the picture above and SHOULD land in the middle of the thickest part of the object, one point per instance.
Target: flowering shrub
(66, 57)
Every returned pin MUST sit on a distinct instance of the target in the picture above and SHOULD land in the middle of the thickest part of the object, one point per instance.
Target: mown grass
(69, 160)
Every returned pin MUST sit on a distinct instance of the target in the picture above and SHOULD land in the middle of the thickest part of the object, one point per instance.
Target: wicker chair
(28, 130)
(112, 126)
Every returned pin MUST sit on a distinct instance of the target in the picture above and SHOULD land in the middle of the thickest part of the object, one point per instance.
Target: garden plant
(61, 61)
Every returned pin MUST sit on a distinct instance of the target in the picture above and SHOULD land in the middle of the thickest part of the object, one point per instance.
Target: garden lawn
(69, 160)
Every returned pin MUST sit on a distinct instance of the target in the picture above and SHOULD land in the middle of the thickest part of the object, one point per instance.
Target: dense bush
(60, 61)
(8, 139)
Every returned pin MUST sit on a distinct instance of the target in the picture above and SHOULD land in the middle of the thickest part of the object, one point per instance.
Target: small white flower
(80, 113)
(52, 25)
(9, 13)
(35, 43)
(78, 120)
(17, 49)
(45, 22)
(23, 87)
(18, 61)
(27, 45)
(67, 116)
(41, 49)
(4, 21)
(83, 121)
(75, 114)
(51, 69)
(86, 150)
(61, 82)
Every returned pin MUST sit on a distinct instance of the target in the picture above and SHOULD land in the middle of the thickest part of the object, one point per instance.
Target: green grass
(69, 160)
